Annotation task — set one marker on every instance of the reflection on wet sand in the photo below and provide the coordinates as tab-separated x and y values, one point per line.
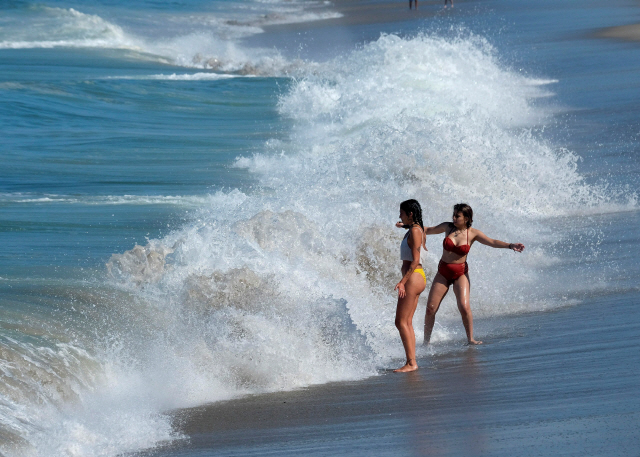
461	391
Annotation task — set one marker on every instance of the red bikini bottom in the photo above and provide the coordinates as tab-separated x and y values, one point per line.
452	271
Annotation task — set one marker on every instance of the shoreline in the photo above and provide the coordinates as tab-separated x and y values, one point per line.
629	33
356	12
535	388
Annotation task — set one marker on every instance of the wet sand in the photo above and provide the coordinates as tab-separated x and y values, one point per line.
357	12
361	21
629	32
559	383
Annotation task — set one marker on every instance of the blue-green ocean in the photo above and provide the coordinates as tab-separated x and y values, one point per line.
198	198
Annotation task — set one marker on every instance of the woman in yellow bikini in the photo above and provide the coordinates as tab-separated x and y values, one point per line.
413	280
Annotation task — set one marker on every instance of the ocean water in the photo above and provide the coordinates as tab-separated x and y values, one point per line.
199	203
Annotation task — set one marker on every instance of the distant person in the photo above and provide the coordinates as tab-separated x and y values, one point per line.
453	269
411	1
413	280
445	3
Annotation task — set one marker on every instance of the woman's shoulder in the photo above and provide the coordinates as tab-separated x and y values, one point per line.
474	233
416	231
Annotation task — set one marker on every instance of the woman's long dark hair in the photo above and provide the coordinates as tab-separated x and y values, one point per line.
413	207
466	212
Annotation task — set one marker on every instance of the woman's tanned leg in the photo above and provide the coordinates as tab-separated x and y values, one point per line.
439	289
462	288
404	319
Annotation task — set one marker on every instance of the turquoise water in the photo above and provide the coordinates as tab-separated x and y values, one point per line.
77	145
191	198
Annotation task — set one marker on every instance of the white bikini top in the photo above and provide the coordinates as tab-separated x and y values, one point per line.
405	250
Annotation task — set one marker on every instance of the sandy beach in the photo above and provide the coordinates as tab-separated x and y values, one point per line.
356	12
630	32
539	386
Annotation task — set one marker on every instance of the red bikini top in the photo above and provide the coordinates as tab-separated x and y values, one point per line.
448	245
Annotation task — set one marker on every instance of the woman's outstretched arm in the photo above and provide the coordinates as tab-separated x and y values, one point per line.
440	228
484	239
429	230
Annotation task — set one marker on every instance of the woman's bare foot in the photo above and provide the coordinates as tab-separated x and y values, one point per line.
474	342
411	365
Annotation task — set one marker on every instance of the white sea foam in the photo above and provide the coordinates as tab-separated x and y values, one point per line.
204	50
50	405
184	77
177	200
207	41
293	285
541	82
55	27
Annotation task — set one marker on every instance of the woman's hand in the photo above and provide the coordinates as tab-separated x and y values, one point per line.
400	288
399	224
517	247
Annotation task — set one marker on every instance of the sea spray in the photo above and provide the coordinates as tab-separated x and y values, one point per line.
292	284
439	120
62	396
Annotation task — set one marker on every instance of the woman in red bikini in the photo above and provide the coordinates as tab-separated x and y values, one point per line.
453	268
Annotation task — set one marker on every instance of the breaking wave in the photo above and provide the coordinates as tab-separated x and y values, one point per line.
292	285
208	41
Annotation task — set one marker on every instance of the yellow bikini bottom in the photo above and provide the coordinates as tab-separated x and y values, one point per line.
421	271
